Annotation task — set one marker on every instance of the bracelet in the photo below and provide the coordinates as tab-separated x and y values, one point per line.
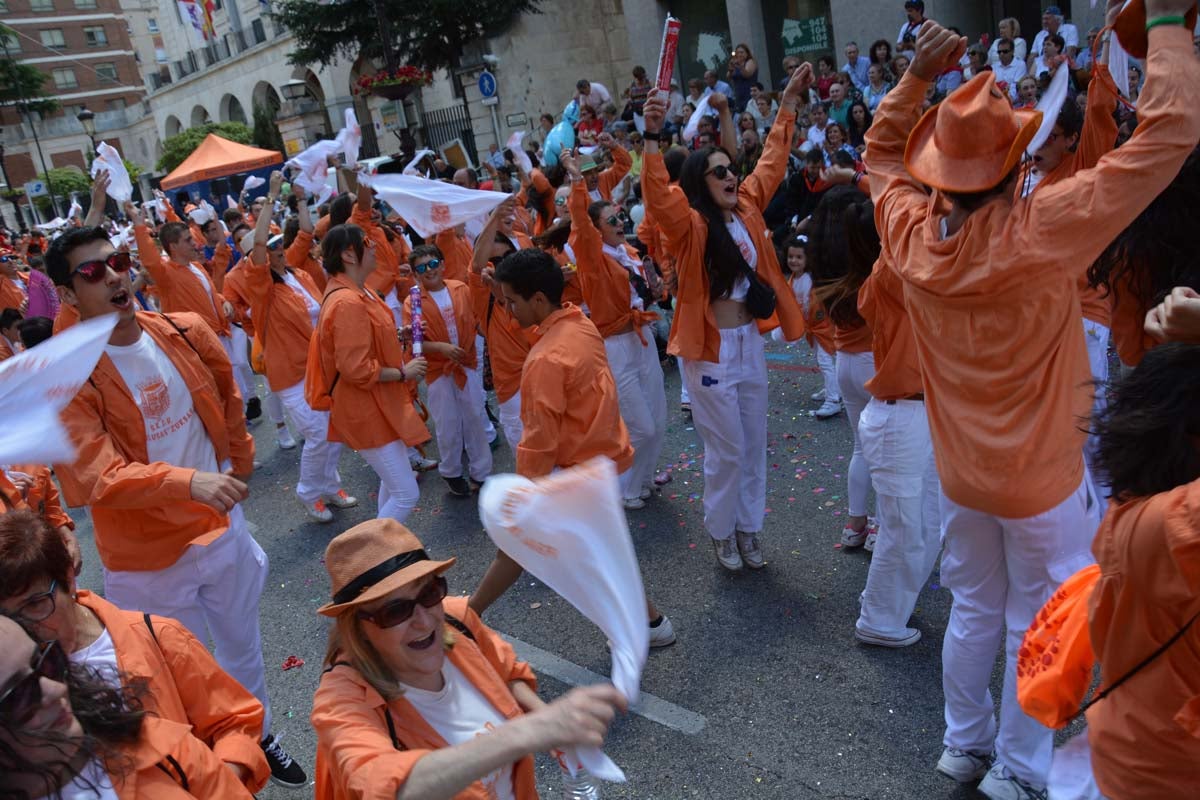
1171	20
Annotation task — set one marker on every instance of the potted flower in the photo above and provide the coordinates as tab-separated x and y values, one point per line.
395	85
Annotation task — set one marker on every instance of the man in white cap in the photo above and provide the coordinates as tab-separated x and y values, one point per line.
995	317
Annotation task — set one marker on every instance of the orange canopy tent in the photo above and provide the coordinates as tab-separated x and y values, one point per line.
219	158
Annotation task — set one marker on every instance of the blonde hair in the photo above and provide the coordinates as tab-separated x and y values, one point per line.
349	645
1014	24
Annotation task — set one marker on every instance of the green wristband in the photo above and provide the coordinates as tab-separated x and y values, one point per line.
1174	20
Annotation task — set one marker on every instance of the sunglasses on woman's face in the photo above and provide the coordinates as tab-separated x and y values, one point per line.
431	264
720	172
398	612
614	220
96	271
23	699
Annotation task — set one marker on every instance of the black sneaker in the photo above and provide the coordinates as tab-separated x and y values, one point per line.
475	485
459	486
284	771
253	408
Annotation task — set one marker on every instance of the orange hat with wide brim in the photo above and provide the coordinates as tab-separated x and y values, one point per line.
1130	28
971	140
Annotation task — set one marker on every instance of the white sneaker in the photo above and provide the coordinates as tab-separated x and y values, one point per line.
911	636
727	553
422	464
318	511
284	437
749	549
963	766
818	396
647	493
1000	784
828	409
662	634
634	503
853	538
341	500
869	544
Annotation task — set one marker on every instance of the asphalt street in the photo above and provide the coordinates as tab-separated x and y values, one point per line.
765	695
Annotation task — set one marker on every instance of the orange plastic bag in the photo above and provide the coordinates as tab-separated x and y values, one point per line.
1054	664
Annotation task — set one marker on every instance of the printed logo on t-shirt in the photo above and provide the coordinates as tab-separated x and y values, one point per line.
745	247
154	398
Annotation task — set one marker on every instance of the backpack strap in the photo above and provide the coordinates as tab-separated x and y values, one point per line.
179	776
1141	665
459	626
150	627
181	332
336	373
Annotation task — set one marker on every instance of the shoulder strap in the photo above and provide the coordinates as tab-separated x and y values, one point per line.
336	374
459	626
150	627
387	714
181	332
179	776
1142	665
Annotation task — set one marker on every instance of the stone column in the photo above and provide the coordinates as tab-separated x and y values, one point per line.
746	25
644	23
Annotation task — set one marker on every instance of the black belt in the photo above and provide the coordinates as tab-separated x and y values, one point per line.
918	397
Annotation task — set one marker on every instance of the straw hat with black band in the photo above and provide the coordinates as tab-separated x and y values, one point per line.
373	559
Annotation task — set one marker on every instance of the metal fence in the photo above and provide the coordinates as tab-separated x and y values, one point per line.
447	124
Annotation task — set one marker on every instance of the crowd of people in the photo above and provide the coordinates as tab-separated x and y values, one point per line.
959	262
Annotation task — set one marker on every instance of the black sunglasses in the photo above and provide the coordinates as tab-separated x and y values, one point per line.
96	271
720	172
23	699
398	612
614	220
1004	52
432	263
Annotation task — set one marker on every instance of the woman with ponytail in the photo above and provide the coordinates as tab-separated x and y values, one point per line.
730	291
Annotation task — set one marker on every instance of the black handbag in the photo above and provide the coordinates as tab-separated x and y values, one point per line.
760	298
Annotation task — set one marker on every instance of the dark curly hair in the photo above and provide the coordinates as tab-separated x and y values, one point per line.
1150	429
723	259
843	245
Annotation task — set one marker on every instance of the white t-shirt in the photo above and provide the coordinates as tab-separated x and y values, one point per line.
202	276
816	136
19	281
92	783
459	713
737	229
174	432
802	289
446	306
310	303
1068	31
631	265
101	656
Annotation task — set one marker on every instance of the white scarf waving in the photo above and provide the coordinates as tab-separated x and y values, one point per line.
431	207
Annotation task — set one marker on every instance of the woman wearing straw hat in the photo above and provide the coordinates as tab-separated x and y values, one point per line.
995	315
419	698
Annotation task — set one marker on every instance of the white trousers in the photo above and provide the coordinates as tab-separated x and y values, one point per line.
213	590
829	374
319	458
458	419
510	420
853	372
398	492
1000	572
639	377
729	408
1096	336
896	445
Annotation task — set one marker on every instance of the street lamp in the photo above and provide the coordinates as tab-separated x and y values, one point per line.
87	119
294	90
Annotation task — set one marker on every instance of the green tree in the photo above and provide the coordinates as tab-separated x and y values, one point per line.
429	33
64	180
178	147
22	84
266	134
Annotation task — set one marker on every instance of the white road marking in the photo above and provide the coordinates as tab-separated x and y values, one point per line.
653	708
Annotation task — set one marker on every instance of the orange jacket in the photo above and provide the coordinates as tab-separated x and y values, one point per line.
299	256
881	303
67	316
6	348
457	252
284	326
1145	735
1099	136
1129	324
218	265
464	324
357	758
507	342
622	163
604	282
355	339
143	513
994	308
42	498
178	287
852	340
387	258
11	295
239	297
694	333
572	288
545	212
569	399
185	684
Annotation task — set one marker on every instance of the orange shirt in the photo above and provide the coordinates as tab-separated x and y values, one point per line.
186	685
238	296
180	289
573	288
694	332
881	303
284	326
604	282
355	339
852	340
41	498
457	252
1099	136
67	316
143	513
1129	324
299	256
545	212
387	262
218	265
1145	735
356	755
507	343
994	308
622	163
6	348
437	331
11	295
569	399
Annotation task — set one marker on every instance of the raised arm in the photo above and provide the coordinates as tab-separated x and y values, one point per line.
670	208
622	163
262	225
729	134
95	213
148	252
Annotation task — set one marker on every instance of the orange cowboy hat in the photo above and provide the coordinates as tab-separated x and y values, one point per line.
373	559
971	140
1130	28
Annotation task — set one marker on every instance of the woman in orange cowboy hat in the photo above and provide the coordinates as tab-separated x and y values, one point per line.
419	698
995	316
